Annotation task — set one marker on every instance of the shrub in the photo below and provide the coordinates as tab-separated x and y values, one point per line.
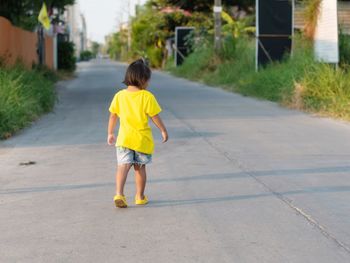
154	55
66	58
24	95
85	55
327	90
197	63
48	73
344	49
297	81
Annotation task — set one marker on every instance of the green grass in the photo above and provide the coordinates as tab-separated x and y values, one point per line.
24	96
327	91
297	82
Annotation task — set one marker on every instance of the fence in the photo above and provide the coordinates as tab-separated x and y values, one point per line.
18	44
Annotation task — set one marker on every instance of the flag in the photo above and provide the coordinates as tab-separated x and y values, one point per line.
44	18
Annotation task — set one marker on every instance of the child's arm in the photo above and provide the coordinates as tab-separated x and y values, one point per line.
159	123
113	118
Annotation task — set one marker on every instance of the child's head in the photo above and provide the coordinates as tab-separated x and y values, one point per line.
138	74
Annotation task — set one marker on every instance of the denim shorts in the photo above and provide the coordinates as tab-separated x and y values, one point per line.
128	156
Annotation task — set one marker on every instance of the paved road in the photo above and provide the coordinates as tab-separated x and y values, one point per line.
240	180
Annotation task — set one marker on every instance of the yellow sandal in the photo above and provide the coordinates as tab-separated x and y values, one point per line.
141	201
120	201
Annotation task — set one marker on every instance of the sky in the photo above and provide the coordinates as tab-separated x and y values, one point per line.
104	16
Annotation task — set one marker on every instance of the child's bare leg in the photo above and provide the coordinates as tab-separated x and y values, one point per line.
120	177
140	180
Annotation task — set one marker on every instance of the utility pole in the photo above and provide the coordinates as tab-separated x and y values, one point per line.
129	27
217	18
41	45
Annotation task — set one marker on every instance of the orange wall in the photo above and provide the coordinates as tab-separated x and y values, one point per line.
18	44
49	52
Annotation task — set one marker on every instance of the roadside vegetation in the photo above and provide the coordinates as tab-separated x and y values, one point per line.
298	81
24	96
154	24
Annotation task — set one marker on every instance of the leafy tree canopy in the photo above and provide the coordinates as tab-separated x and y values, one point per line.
24	13
95	48
201	5
155	23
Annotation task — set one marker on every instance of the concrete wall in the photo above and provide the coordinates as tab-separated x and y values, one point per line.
18	44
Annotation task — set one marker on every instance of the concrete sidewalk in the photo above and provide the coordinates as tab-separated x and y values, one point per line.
240	180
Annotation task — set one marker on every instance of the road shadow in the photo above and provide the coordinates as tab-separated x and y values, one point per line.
207	177
242	174
154	203
54	188
195	201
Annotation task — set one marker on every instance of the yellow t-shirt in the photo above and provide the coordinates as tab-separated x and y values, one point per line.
133	109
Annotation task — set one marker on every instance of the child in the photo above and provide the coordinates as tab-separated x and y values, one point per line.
134	145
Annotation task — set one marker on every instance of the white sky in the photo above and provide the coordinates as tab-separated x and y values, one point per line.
103	16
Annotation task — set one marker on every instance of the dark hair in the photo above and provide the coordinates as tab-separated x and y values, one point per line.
137	74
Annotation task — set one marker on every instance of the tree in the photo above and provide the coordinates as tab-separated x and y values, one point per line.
156	21
153	26
202	5
95	48
117	45
237	28
24	13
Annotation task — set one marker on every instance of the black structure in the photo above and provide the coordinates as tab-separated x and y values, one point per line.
182	45
274	29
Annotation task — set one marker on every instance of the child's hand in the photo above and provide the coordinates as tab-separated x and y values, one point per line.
111	139
165	136
159	123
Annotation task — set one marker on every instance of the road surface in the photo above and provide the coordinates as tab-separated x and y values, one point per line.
240	180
